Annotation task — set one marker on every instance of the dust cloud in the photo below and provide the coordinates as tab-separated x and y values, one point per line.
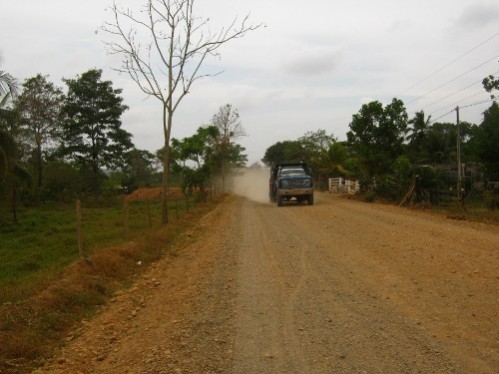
252	183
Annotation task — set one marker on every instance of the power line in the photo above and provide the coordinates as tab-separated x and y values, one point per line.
474	104
442	116
474	95
454	79
452	94
447	65
462	107
456	92
457	103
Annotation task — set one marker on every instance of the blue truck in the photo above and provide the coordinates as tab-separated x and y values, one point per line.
290	181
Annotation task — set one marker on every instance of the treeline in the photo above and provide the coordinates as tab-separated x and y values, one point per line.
67	143
385	150
58	144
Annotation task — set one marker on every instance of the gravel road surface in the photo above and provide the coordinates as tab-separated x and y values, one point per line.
337	287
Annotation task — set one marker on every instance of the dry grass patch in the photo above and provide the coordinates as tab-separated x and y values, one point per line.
31	329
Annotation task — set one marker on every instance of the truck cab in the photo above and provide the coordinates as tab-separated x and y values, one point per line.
290	182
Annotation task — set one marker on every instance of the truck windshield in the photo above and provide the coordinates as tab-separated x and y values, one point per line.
289	171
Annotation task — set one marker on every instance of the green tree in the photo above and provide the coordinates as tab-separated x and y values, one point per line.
440	143
418	132
62	181
233	158
7	153
139	169
316	145
329	163
336	160
91	132
376	136
197	148
285	151
167	66
12	175
490	84
486	141
200	157
193	158
316	142
39	113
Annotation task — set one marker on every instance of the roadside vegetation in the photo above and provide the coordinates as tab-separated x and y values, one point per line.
44	240
57	148
46	288
408	161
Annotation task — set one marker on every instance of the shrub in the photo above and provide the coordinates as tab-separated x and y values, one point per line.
369	196
491	199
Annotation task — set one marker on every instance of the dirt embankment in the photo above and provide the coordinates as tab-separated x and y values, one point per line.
153	193
338	287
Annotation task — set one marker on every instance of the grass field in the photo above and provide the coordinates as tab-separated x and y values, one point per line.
45	290
44	240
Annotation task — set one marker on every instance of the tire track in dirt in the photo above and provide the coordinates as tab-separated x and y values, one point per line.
338	287
264	341
401	259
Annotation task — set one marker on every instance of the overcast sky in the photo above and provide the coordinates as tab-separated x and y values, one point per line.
312	66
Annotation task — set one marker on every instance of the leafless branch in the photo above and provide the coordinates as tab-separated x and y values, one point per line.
163	50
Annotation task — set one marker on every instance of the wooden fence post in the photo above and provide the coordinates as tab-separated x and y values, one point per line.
149	215
78	228
125	218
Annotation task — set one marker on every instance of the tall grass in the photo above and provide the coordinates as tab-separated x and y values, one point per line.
58	295
44	240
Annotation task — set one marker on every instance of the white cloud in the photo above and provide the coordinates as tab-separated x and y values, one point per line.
313	61
479	15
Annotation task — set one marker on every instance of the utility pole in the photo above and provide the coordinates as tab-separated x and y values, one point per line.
459	168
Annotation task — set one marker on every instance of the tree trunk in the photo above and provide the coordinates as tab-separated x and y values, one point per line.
166	174
39	163
223	173
95	182
167	125
14	203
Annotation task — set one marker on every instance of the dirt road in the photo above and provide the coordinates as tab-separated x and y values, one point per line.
338	287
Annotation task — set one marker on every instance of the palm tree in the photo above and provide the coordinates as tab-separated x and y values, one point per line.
337	156
8	86
12	175
331	162
7	153
8	91
419	132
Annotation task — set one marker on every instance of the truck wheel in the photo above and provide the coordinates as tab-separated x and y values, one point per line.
311	199
279	200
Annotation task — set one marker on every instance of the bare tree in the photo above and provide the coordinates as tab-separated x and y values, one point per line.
229	129
163	49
